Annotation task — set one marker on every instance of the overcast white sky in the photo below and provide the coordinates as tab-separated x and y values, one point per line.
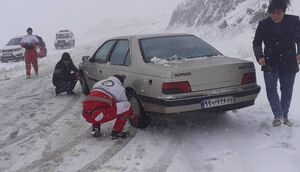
51	15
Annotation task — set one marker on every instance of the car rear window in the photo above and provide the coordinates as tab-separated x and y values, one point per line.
62	35
175	48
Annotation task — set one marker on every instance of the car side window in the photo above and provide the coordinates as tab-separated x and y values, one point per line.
119	53
102	53
128	59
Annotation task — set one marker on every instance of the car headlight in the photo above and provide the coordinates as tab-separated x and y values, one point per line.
18	49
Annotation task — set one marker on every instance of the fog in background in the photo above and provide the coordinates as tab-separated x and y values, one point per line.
46	17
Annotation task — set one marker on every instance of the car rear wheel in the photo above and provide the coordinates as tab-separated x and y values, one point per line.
140	120
84	85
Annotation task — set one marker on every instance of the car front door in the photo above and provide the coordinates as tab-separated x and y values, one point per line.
95	68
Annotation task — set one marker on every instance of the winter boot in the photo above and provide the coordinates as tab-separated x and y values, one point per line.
96	132
276	122
287	122
116	135
57	91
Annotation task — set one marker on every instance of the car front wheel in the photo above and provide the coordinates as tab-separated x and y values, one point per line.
140	120
84	85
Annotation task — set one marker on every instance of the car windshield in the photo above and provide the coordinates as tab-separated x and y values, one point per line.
14	41
175	48
62	35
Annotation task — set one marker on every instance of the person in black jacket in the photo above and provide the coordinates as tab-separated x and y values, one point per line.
65	75
280	34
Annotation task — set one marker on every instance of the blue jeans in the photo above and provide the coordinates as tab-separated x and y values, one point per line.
280	106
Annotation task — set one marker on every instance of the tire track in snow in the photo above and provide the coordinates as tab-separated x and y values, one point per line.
174	129
54	155
166	159
41	125
22	82
58	154
109	153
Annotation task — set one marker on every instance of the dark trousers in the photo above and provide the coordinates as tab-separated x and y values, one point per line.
279	105
66	85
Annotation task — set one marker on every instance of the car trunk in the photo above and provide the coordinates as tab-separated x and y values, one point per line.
212	72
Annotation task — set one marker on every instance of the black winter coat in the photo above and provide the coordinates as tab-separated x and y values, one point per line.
63	72
280	41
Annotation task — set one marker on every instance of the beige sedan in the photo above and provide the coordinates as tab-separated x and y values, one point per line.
172	73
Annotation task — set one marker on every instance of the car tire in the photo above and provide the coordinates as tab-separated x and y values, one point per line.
142	121
84	85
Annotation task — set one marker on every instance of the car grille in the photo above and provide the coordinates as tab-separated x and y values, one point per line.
8	51
61	41
8	57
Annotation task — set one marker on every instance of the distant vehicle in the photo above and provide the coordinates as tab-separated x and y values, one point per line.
41	48
12	51
64	39
172	73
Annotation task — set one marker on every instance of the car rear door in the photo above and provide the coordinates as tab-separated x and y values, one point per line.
119	59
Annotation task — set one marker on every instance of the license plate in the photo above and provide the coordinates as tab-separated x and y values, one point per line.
217	102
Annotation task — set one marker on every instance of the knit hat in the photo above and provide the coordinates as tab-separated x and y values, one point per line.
66	57
29	30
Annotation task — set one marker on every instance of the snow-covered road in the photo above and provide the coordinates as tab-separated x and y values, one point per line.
43	132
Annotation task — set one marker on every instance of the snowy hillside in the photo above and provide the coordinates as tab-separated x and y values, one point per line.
226	17
232	12
43	132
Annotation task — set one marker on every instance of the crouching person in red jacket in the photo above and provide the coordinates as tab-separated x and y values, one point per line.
108	101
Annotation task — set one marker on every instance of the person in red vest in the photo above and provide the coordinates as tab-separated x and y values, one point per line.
29	42
108	101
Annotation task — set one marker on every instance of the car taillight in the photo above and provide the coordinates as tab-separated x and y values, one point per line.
248	78
176	87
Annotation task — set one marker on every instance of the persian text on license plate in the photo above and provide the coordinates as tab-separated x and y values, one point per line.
217	102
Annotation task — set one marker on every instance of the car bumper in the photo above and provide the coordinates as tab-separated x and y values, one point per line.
11	57
242	98
62	45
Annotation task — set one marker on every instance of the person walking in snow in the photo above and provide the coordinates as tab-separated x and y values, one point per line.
29	42
108	101
280	34
65	75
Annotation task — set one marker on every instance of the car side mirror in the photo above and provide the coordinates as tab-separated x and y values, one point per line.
86	58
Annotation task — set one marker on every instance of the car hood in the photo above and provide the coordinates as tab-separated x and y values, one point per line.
8	47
